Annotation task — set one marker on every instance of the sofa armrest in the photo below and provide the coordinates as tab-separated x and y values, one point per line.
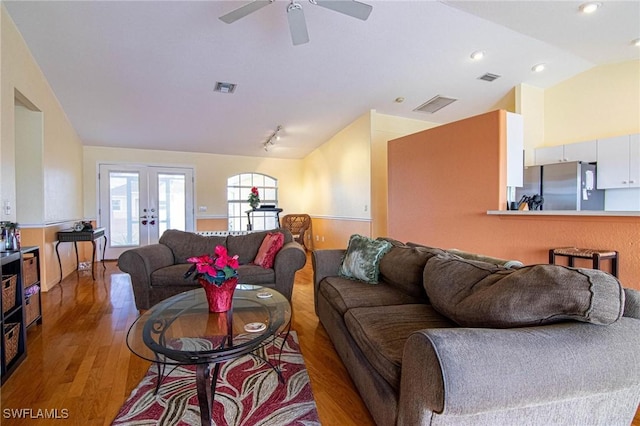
461	371
631	303
289	259
326	263
139	263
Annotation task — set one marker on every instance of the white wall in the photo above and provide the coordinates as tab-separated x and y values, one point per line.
337	175
61	185
29	165
211	173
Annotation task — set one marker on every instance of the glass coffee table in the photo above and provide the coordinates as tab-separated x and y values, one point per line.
181	331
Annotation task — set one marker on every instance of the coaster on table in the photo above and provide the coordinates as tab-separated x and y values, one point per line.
254	327
264	295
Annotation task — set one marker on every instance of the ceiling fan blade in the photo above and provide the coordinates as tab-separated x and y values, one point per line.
297	24
352	8
245	10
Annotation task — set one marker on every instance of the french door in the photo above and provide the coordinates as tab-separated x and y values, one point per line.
138	203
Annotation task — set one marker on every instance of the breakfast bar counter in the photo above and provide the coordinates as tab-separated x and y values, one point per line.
529	213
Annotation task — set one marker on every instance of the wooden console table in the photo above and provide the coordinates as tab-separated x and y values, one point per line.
276	210
71	236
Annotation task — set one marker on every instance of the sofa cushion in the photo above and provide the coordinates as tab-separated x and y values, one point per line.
381	332
479	294
345	293
254	274
508	264
271	244
402	267
172	276
362	259
187	244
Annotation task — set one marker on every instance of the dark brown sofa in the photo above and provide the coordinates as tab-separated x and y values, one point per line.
157	271
412	365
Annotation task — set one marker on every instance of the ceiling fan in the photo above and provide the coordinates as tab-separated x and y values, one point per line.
295	14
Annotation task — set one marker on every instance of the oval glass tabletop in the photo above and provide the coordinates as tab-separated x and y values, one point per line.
181	330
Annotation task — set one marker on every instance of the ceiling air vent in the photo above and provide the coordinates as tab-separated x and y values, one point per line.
435	104
224	87
488	77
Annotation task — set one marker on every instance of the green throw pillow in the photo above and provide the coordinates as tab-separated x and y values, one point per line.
362	259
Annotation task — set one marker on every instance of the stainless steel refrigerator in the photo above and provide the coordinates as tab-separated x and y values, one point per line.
532	182
571	186
564	186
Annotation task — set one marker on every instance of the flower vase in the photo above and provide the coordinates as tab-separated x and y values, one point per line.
220	298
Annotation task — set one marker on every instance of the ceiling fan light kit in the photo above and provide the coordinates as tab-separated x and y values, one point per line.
295	14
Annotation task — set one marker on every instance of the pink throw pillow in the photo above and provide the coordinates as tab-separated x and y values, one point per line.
270	246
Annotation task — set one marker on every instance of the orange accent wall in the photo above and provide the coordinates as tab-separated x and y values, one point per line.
443	180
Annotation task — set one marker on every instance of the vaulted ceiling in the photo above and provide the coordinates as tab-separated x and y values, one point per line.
141	74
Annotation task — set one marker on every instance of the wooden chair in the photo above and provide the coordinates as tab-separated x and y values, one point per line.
300	226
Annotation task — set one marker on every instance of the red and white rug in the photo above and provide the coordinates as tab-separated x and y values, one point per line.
248	393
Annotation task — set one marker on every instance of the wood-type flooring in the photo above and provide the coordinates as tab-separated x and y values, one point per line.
79	369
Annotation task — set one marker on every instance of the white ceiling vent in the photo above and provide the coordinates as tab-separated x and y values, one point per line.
435	104
489	77
224	87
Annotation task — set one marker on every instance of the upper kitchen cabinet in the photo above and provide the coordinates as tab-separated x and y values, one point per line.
581	151
619	162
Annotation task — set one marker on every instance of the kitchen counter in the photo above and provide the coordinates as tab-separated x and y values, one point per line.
601	213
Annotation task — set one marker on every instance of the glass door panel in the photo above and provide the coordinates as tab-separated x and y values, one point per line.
139	203
124	196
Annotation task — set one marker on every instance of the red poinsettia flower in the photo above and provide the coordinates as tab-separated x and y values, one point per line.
216	268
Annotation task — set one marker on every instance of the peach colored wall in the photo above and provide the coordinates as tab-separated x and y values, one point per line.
46	238
336	232
212	224
456	170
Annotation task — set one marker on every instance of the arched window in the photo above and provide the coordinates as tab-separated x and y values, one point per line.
238	189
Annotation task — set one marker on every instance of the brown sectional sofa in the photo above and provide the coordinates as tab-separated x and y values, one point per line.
412	365
157	271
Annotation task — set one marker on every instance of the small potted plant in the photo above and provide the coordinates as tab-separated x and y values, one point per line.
254	198
218	275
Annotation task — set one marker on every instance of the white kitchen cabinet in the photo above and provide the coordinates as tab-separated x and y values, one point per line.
619	162
586	151
581	151
515	149
549	155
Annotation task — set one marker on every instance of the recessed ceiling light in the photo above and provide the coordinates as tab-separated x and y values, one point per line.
477	55
399	99
538	68
636	42
589	7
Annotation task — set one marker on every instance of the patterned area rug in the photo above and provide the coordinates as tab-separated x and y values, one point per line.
248	393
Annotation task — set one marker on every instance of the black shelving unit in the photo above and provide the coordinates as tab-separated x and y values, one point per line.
11	264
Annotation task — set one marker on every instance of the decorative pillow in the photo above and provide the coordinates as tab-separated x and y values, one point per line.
271	245
479	294
362	259
402	267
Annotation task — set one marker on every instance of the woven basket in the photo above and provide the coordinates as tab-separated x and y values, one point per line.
11	336
32	307
8	292
29	270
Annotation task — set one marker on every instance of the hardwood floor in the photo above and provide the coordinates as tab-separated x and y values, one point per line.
78	362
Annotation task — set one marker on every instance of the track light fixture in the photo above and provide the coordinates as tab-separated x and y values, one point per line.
271	140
